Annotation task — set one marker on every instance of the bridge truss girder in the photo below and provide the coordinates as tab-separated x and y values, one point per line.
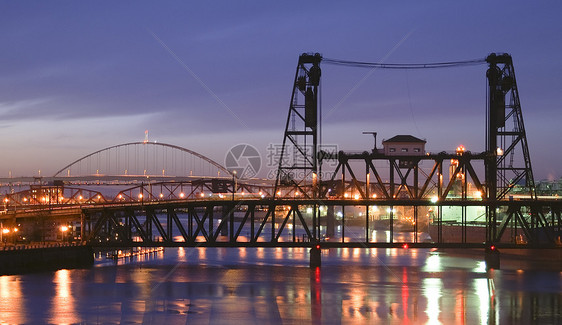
406	180
266	224
40	196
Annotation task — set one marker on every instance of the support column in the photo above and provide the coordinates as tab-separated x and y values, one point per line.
492	257
82	226
330	221
224	220
315	256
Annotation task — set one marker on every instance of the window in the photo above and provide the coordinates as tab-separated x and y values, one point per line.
391	149
404	150
417	150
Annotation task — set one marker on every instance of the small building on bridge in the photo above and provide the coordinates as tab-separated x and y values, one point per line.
404	145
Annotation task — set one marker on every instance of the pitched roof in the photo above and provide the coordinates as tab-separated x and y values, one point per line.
404	138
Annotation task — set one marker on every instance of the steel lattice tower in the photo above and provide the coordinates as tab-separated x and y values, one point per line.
509	160
298	163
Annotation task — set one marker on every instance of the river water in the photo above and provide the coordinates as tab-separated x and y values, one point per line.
276	286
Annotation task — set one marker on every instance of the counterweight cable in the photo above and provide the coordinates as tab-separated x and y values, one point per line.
436	65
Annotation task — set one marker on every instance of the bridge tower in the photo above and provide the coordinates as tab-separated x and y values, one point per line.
508	161
298	161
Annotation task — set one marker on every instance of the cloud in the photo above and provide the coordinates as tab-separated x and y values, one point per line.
22	109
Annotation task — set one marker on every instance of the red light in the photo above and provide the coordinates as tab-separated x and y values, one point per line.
492	247
317	246
405	246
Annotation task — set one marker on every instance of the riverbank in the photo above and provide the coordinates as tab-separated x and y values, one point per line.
35	258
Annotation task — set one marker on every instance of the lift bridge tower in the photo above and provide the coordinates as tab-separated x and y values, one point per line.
298	161
509	161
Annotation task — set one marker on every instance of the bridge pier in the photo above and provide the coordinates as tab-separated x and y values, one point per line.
315	256
492	257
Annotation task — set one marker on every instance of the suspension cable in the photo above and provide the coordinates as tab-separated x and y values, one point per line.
359	64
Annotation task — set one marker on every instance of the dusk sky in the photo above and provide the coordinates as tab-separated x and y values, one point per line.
76	77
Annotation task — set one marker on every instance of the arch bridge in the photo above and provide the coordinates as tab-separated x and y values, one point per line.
136	161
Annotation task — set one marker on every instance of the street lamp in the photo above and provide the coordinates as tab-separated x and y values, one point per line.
5	232
63	229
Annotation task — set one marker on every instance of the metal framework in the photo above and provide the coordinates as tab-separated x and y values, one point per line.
298	161
39	196
506	138
278	222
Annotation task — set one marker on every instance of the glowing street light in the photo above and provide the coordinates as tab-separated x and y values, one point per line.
64	229
5	231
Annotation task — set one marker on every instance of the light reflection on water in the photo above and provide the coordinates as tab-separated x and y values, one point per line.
11	301
63	305
274	285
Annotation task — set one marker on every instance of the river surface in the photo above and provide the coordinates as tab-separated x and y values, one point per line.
276	286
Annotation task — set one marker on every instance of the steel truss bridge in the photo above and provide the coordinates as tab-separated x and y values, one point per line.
359	203
291	223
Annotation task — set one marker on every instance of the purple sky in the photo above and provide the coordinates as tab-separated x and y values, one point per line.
76	77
